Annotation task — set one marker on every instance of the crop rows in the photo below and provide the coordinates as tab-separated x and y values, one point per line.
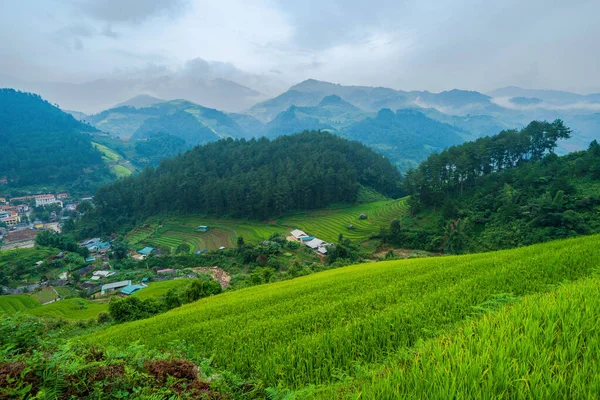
72	309
545	347
12	304
311	329
329	224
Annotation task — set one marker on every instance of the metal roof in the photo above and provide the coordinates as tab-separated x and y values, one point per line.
130	289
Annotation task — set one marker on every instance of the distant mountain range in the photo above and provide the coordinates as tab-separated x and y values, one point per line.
98	95
405	126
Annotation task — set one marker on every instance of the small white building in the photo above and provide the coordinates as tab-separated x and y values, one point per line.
316	243
298	234
111	287
103	274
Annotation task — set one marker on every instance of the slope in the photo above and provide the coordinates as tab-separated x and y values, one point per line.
405	137
44	145
314	329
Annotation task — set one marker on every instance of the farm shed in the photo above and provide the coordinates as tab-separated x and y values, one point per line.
146	250
131	289
111	287
203	228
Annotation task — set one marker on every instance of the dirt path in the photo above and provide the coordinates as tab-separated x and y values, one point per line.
217	273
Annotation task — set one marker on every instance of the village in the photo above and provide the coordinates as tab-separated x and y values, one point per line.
22	218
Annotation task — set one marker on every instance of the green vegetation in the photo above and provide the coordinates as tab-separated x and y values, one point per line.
545	347
70	309
120	171
314	329
157	289
12	304
46	145
326	224
500	192
250	179
19	265
45	295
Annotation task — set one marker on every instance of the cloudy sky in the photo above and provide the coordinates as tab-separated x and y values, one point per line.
411	44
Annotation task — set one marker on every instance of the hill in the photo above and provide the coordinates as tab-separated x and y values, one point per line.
311	330
142	100
45	146
405	137
251	179
181	118
503	191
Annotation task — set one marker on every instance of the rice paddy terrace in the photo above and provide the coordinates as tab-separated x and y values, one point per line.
326	224
401	329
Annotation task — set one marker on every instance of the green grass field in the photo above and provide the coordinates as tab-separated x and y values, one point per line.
12	304
342	323
545	347
326	224
71	309
120	171
157	289
108	155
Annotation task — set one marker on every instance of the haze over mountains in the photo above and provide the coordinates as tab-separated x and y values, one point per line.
406	126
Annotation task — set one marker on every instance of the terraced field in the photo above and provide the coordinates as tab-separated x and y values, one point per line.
325	224
72	309
328	224
12	304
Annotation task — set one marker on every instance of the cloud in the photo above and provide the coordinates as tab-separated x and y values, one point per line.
132	11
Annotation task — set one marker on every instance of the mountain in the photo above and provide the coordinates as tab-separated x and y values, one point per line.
550	96
94	96
251	179
189	121
45	146
142	100
406	137
332	113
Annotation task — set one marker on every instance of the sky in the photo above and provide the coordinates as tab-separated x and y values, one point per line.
271	44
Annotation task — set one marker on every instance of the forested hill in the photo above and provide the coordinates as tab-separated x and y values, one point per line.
250	178
503	191
42	145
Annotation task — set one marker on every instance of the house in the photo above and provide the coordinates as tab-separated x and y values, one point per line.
316	243
62	195
298	234
43	200
11	221
203	228
111	287
103	274
60	282
146	251
131	289
322	250
3	200
90	259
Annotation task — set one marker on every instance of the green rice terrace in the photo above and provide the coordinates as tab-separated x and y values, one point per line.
12	304
399	329
326	224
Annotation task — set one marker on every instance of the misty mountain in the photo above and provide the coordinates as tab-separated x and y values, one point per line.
372	99
332	113
189	121
101	94
142	100
406	137
550	96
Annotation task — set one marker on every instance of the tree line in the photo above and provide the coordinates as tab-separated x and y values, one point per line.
256	178
449	172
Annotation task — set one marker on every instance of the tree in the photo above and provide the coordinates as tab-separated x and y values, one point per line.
183	248
120	248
